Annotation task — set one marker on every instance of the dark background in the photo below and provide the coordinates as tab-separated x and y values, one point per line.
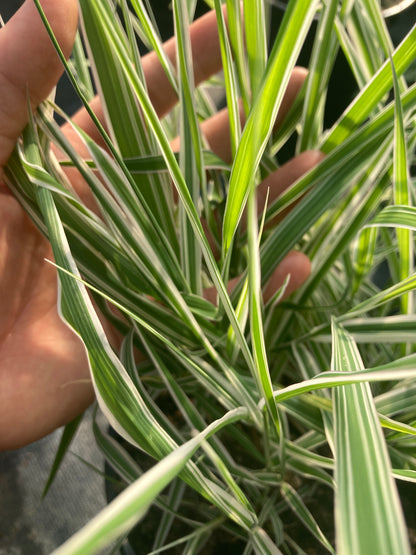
30	525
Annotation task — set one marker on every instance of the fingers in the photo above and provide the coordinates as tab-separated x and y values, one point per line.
29	63
216	129
206	55
280	180
297	266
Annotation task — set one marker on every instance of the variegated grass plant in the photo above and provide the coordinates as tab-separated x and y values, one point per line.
260	408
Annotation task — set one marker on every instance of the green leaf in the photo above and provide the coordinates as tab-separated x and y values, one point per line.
190	154
259	125
66	439
395	216
296	503
323	56
262	372
406	475
124	118
368	515
256	42
366	101
132	504
402	193
156	163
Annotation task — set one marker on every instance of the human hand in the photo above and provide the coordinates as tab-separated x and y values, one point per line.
44	372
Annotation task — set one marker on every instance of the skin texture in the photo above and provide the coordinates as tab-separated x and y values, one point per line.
43	366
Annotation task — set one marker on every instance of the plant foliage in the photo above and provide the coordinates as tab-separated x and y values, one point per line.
277	427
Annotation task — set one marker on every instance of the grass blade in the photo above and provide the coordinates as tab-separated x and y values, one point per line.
402	193
373	92
67	436
302	512
131	505
263	113
368	515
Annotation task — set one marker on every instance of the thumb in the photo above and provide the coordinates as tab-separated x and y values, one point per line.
29	64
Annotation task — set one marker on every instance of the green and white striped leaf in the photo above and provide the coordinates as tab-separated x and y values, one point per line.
368	515
131	505
298	17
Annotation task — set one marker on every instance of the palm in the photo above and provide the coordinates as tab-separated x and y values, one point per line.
43	368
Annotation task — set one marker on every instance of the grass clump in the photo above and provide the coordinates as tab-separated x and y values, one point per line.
267	418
